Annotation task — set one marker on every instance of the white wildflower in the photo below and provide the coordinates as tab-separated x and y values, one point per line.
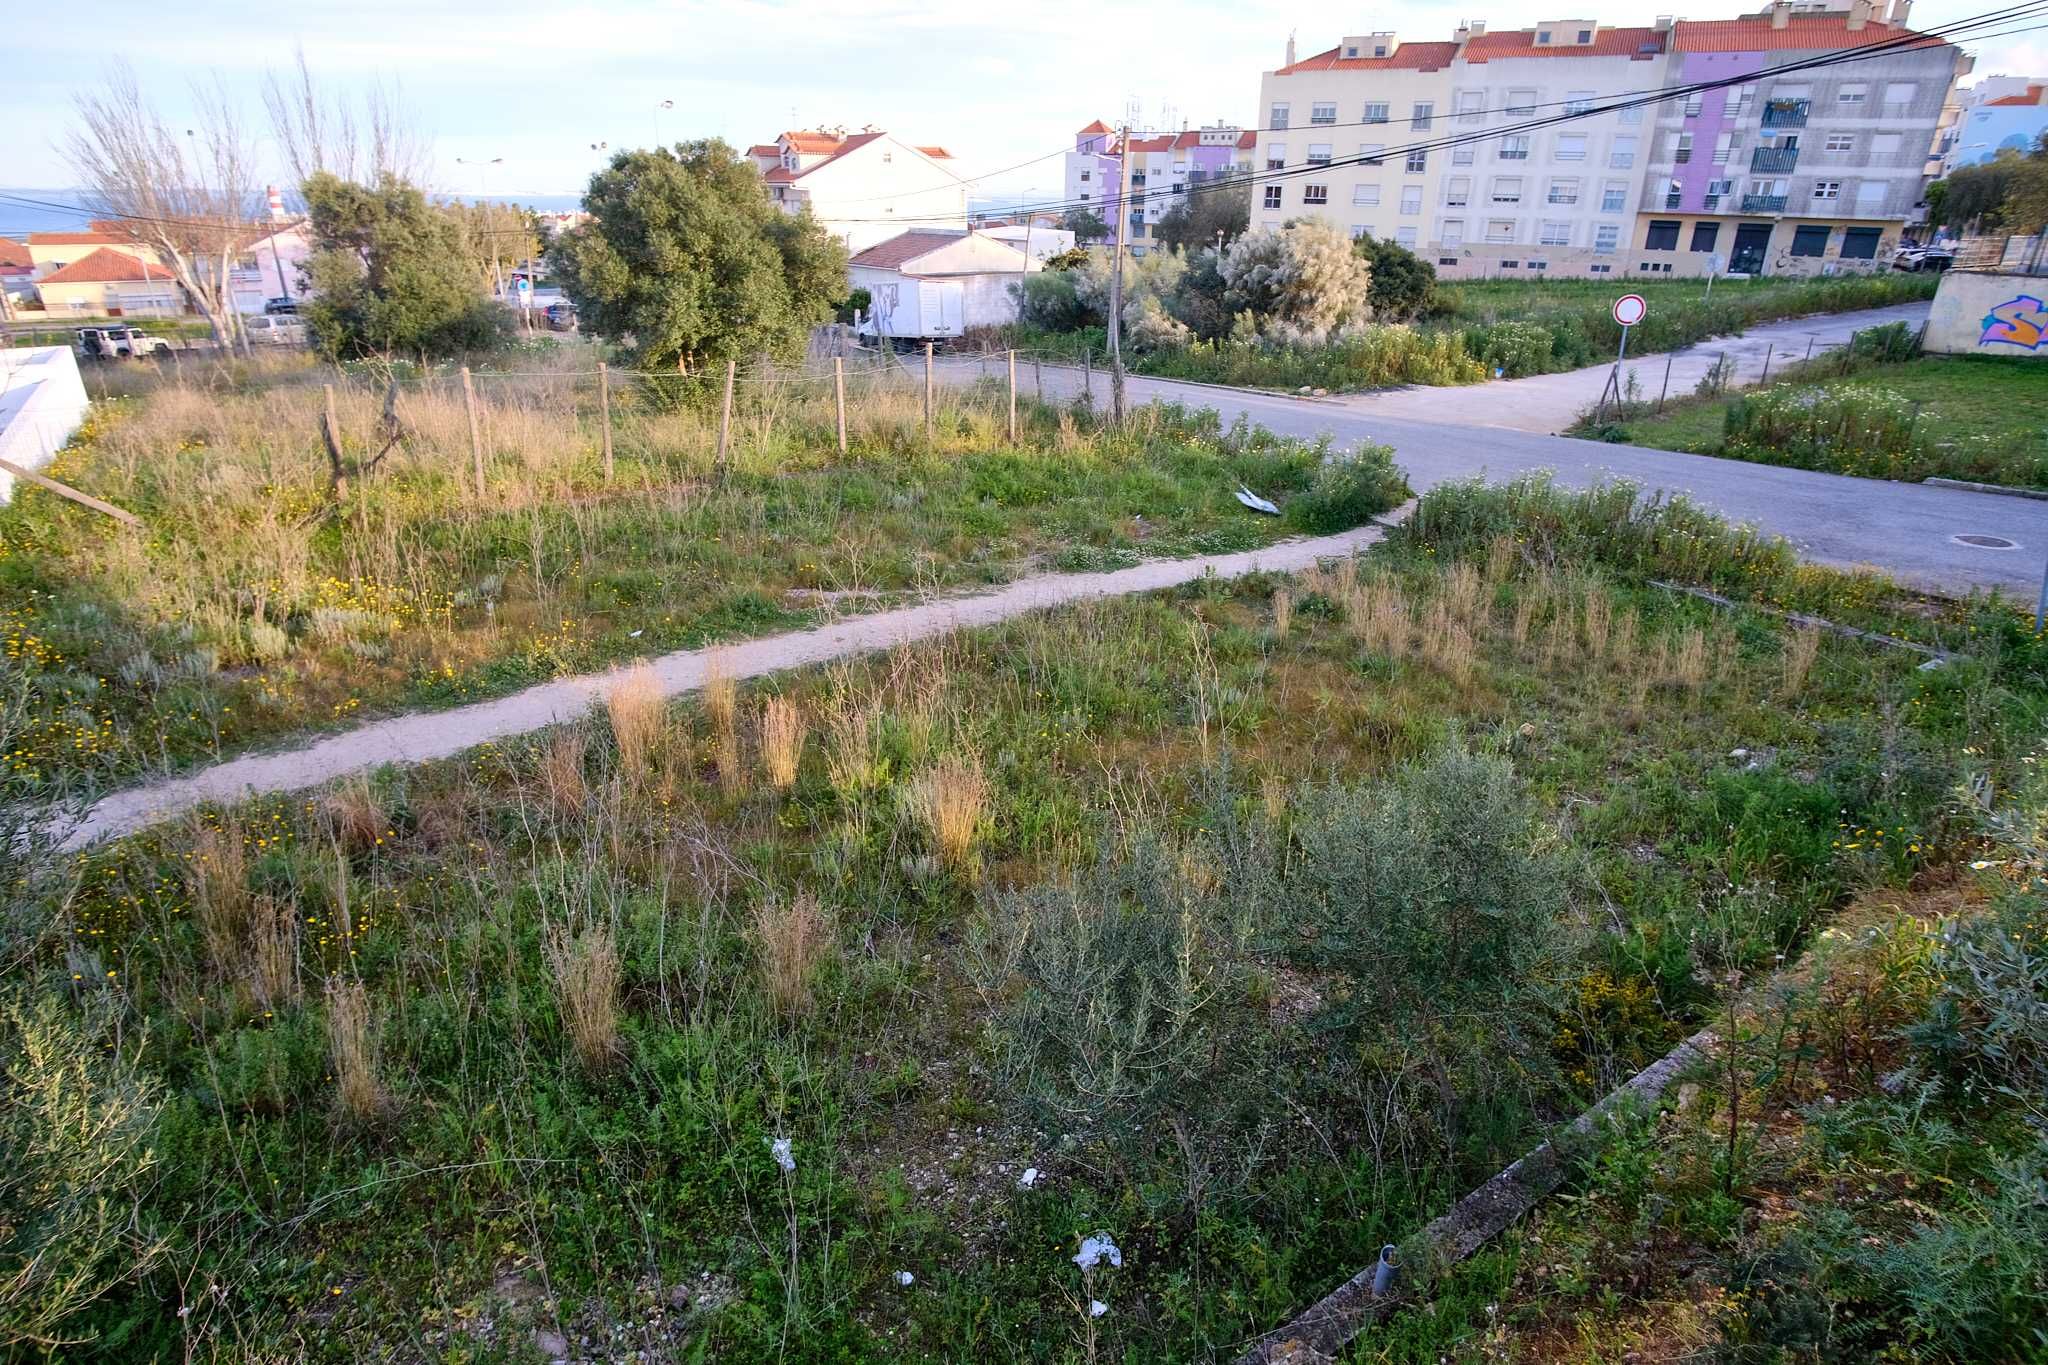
784	1155
1097	1249
905	1278
1096	1308
1028	1179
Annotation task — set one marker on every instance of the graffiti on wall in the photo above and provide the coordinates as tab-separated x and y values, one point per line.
2019	321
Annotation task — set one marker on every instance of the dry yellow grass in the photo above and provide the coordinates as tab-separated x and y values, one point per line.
352	1051
1599	616
791	939
1283	613
1461	593
1500	560
721	708
1448	645
354	817
634	704
784	728
217	878
949	799
561	771
1688	667
1622	638
273	953
586	972
850	752
1802	647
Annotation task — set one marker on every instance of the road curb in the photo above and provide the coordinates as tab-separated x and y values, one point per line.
2002	490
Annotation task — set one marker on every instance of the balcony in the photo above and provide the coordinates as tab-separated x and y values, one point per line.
1786	113
1773	160
1673	201
1763	203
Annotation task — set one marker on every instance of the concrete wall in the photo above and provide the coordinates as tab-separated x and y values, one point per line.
42	401
1987	314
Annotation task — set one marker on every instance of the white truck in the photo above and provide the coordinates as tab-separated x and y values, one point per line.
114	343
914	310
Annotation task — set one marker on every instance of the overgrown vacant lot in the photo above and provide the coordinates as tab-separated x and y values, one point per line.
836	1018
258	602
1981	418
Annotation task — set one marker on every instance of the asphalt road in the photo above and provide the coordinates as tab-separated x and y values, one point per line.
1906	530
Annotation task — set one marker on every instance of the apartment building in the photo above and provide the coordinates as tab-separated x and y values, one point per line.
1804	172
1579	196
863	187
1172	162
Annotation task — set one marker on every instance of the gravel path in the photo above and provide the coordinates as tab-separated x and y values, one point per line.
420	736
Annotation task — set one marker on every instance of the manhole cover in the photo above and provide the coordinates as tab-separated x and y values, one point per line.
1986	542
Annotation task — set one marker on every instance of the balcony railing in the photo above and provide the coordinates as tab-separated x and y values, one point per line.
1763	203
1773	160
1786	113
1672	201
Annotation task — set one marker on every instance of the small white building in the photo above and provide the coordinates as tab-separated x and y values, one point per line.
930	283
1040	242
864	187
42	401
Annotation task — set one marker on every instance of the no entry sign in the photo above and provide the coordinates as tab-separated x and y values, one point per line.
1629	309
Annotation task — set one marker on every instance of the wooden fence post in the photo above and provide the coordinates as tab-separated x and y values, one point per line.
476	437
1013	398
725	415
1765	378
1038	378
839	397
330	432
604	405
1667	380
65	490
928	392
1088	372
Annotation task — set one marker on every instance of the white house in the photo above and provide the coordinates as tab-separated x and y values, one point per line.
1042	242
864	187
982	269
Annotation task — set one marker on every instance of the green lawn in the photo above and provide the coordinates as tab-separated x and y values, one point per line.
1978	417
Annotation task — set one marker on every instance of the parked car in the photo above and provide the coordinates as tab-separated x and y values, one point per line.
283	329
561	316
280	305
1917	258
112	343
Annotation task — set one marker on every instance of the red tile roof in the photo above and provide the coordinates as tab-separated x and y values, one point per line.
1096	127
1407	57
904	248
13	253
1607	42
78	239
1247	139
106	266
764	149
778	175
2032	97
937	153
1164	142
1802	32
811	143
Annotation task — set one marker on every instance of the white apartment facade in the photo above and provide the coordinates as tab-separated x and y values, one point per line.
863	187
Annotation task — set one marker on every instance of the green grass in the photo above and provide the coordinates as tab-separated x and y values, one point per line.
252	606
1964	417
1183	755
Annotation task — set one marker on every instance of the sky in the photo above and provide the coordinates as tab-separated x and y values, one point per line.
1003	86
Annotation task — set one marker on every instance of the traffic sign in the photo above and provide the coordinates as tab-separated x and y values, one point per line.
1629	309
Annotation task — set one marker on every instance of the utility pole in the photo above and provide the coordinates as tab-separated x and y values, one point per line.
490	217
1116	281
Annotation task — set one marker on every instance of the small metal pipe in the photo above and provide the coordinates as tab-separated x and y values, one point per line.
1383	1273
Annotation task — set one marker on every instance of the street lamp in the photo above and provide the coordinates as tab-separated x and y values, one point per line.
483	171
665	104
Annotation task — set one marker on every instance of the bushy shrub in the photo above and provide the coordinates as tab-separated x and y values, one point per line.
1349	490
1514	349
1847	428
1403	284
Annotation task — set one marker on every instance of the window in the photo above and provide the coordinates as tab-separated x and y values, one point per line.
1318	153
1606	236
1461	155
1084	177
1852	96
1555	234
1623	154
1315	194
1827	189
1662	235
1411	199
1717	190
1692	105
1418	162
1884	149
1543	38
1423	117
1371	152
1515	148
1451	232
1458	191
1367	195
1599	269
1571	147
1272	196
1277	117
1632	114
1681	150
1898	93
1859	244
1613	197
1744	97
1578	102
1723	146
1276	156
1521	102
1357	231
1840	142
1585	35
1471	106
1704	236
1500	229
1510	265
1811	240
1871	193
1405	236
1084	195
1322	113
1375	113
1507	189
1563	193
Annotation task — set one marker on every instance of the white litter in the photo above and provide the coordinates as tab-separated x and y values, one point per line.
1255	502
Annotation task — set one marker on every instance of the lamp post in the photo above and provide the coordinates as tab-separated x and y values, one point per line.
483	171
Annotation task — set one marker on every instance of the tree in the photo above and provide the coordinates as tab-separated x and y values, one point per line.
1403	284
1301	283
186	197
1086	225
390	274
1206	212
497	238
685	259
317	132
